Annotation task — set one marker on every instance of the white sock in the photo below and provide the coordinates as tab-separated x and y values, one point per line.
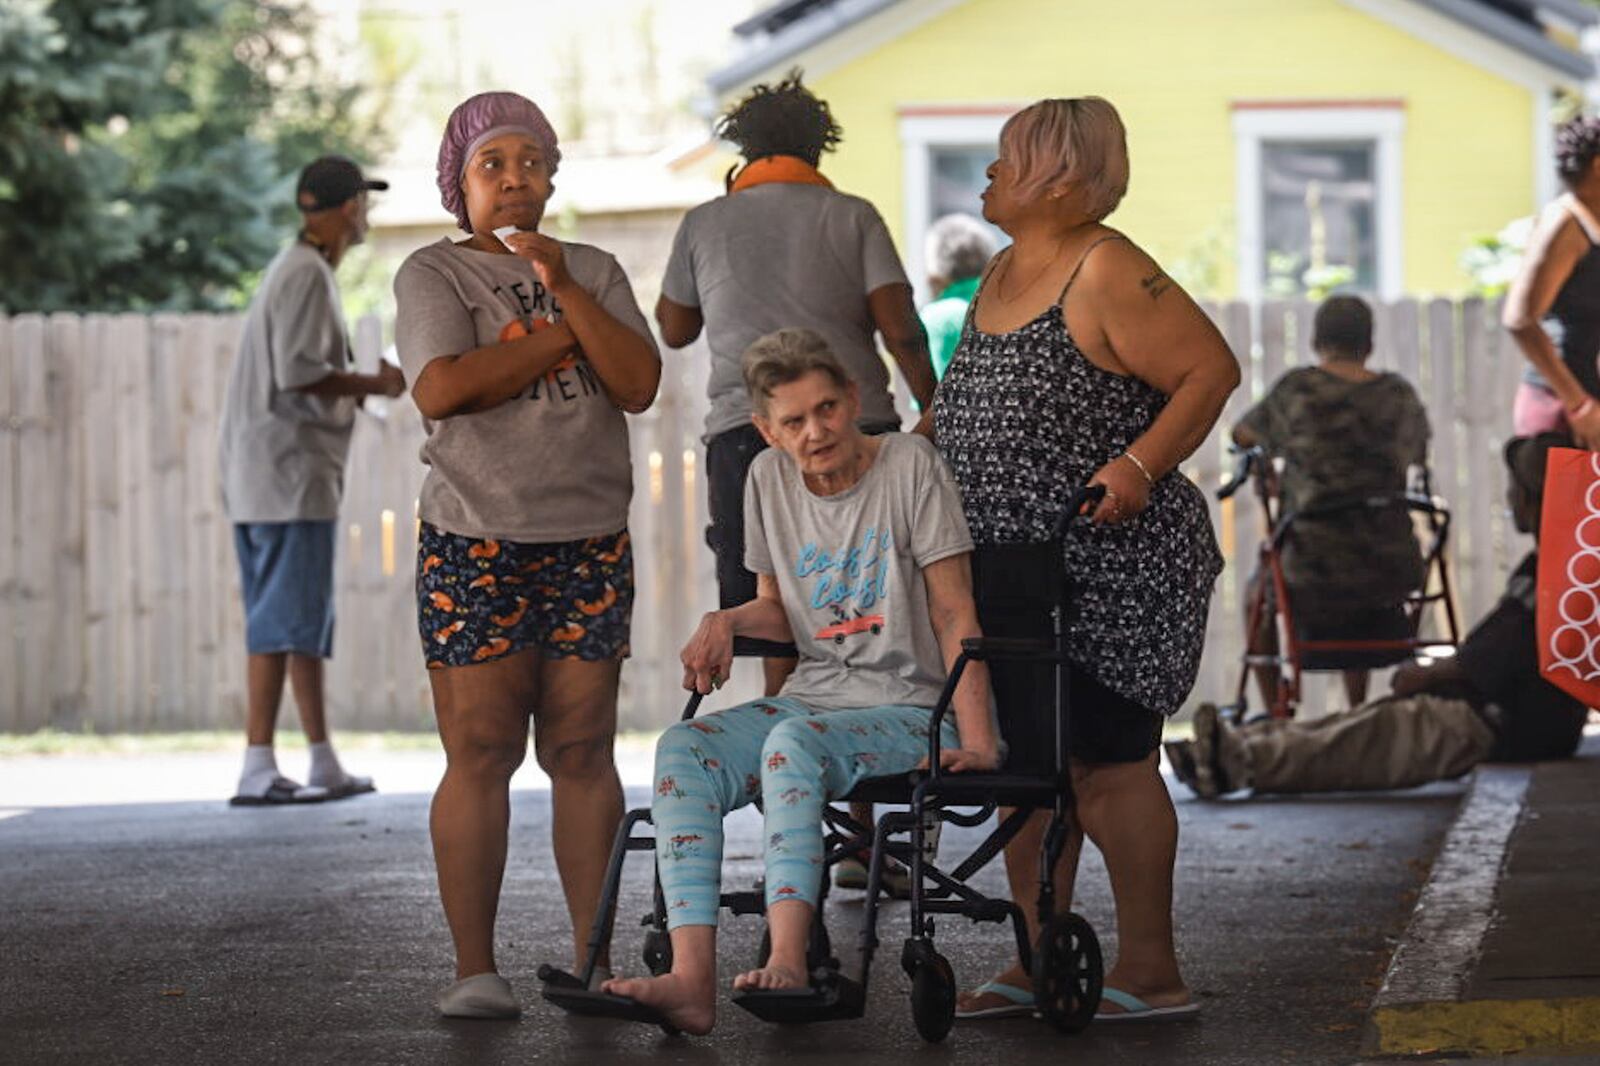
325	768
260	770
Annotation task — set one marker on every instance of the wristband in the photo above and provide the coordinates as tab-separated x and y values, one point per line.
1145	470
1582	409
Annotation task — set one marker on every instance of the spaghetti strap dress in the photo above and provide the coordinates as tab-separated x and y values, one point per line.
1023	418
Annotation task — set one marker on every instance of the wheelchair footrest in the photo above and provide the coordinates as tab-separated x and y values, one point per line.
831	997
568	993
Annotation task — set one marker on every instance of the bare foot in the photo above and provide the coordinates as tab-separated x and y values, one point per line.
1016	977
773	976
691	1005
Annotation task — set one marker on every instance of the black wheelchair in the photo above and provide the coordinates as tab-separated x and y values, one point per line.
1385	636
1022	589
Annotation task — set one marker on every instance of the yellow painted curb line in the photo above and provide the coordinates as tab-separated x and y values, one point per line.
1487	1026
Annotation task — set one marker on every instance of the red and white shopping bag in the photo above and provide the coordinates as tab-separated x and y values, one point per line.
1569	574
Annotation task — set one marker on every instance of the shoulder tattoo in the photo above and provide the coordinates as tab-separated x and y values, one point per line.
1156	284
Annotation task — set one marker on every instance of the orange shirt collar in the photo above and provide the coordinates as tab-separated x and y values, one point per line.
785	169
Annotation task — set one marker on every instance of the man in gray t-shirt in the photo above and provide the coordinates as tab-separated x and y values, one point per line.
783	249
285	431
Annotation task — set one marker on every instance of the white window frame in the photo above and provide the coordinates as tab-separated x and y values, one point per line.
1255	125
922	129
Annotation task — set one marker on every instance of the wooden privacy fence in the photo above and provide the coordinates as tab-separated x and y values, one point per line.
119	602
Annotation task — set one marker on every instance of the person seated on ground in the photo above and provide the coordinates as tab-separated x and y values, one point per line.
1487	702
1345	433
863	560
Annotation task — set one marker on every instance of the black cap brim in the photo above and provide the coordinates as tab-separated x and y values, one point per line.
376	185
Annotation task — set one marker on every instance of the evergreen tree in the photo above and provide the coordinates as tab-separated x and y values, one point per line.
148	150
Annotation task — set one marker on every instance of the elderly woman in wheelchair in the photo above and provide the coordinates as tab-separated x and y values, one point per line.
862	555
1341	561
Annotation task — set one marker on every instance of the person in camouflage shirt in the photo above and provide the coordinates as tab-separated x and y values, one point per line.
1344	432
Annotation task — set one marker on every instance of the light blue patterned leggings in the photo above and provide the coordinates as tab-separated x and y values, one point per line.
798	758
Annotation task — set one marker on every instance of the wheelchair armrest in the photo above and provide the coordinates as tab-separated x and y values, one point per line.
982	649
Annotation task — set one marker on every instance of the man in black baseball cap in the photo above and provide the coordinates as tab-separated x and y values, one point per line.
286	425
330	182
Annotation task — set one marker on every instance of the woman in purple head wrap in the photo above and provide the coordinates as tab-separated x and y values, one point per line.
524	351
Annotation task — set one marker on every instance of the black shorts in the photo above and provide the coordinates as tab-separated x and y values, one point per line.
1103	726
728	458
1108	727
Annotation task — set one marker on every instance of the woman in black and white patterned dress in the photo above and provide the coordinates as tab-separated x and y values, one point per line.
1081	361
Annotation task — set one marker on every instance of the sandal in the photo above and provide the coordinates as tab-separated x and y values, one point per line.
1135	1009
1018	1003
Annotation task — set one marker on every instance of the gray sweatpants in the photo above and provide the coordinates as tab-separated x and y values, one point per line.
1396	742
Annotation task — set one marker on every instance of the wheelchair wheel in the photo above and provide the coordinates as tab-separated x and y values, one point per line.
1068	973
819	949
933	997
657	952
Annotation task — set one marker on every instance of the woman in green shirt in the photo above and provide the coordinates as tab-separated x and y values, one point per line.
959	247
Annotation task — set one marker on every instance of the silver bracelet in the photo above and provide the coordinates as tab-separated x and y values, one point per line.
1145	470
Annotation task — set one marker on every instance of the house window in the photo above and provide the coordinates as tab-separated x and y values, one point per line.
946	152
1318	217
956	178
1318	198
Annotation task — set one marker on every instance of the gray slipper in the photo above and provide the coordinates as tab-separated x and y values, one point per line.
483	995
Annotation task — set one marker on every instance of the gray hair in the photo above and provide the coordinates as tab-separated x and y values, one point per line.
959	247
786	356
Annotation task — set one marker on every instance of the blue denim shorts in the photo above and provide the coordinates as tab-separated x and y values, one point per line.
286	569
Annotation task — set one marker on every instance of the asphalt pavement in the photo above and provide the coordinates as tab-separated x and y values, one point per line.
188	932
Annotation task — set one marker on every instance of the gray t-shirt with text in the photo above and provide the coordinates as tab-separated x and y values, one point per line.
550	465
777	256
282	452
849	567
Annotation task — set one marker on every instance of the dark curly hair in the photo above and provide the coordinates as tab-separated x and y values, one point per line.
782	119
1577	145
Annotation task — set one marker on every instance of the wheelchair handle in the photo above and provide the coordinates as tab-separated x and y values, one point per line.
1248	458
1081	497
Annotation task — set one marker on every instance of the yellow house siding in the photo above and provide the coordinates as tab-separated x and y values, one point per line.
1174	68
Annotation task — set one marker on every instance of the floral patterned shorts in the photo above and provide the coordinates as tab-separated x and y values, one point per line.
479	600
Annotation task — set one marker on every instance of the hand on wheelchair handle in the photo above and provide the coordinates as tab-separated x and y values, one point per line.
708	657
1127	492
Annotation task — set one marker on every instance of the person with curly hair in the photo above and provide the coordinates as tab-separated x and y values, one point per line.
784	249
1553	307
525	351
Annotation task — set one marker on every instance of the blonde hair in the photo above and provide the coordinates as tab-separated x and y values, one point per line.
1081	140
784	356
